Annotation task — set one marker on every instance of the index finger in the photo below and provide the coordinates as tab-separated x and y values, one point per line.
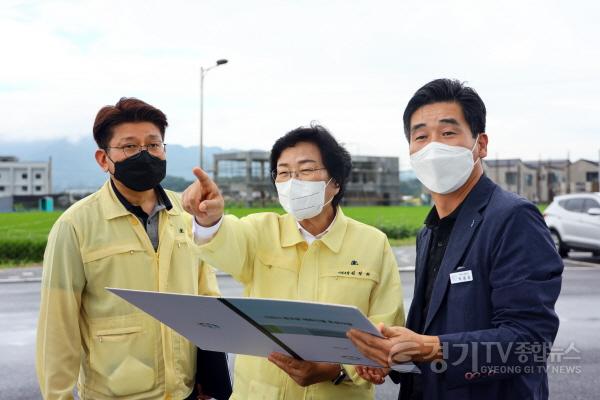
202	176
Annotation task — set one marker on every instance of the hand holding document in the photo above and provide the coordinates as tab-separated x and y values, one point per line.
303	330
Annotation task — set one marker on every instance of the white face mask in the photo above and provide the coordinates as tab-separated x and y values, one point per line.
443	168
302	199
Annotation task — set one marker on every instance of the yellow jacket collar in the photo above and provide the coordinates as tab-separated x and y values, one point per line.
112	207
290	234
335	237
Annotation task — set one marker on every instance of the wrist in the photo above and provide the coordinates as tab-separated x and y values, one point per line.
431	349
205	224
340	375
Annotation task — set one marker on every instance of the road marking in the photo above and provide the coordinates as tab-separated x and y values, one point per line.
19	279
582	268
581	263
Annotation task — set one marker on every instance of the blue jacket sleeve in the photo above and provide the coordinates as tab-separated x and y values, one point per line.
525	281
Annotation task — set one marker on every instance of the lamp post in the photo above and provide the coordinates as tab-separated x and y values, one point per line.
203	72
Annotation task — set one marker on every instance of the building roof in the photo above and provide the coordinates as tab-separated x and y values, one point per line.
587	161
560	163
502	163
557	163
256	155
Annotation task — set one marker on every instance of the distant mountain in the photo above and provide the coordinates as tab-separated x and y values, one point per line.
407	175
74	166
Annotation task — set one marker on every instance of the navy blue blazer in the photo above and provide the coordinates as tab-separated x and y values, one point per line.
496	328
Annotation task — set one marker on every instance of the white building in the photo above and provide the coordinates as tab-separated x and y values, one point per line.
25	178
584	176
540	181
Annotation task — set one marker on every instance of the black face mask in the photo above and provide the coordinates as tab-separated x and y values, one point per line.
141	172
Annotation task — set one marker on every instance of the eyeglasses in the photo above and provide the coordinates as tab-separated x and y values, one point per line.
302	174
130	150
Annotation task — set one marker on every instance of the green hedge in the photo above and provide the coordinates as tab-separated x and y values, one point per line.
399	231
17	251
31	250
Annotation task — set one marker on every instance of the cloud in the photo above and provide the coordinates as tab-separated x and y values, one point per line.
352	65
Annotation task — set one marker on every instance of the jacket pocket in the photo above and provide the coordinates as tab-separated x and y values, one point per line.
98	254
349	287
123	354
117	335
131	376
274	276
125	266
278	261
461	296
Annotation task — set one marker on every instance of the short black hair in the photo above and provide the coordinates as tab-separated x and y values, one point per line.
335	157
127	109
448	90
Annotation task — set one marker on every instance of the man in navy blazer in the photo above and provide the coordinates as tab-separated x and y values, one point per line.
482	320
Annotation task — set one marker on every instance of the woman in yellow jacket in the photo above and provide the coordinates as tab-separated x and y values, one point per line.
312	253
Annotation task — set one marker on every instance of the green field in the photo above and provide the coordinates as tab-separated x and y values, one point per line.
376	216
23	235
26	225
36	225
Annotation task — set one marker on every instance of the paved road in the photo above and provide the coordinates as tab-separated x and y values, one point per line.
578	308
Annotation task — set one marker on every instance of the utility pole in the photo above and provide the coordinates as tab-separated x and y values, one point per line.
568	172
203	72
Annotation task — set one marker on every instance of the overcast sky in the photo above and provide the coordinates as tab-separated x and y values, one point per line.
352	65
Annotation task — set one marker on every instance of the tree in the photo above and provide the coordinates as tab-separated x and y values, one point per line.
175	183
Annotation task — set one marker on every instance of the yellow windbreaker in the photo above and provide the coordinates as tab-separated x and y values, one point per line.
86	333
351	264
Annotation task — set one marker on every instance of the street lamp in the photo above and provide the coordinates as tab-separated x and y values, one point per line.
203	72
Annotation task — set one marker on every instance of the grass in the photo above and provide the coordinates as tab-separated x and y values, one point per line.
36	225
399	223
376	215
23	235
389	216
26	225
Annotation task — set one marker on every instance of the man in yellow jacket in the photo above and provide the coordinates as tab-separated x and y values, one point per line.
312	253
129	234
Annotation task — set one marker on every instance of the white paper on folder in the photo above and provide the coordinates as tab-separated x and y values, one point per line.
204	320
315	331
312	331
